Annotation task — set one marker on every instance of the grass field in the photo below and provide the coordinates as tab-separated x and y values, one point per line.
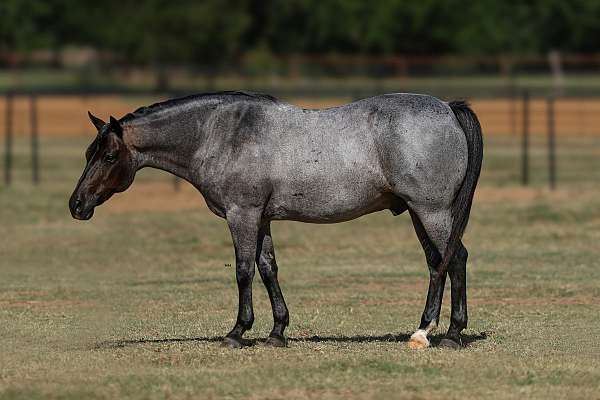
134	302
463	83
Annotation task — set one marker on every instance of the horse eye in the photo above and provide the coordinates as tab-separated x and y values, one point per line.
110	158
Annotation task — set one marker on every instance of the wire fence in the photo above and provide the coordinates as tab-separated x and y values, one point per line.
553	129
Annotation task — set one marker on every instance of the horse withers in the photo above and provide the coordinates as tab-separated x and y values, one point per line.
256	159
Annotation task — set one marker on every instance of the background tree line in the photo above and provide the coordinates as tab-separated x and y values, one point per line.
213	32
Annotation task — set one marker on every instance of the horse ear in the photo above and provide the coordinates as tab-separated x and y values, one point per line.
115	126
98	123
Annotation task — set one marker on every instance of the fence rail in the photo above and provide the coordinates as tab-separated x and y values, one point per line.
66	115
47	115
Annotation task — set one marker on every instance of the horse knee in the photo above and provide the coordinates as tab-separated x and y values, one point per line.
244	273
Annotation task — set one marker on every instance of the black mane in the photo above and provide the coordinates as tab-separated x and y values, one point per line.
146	110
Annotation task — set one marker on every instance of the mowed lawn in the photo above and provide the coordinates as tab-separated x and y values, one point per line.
133	303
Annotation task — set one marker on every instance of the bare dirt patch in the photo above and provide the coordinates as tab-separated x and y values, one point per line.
523	194
62	116
67	115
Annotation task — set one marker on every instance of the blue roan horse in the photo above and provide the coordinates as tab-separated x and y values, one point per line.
256	159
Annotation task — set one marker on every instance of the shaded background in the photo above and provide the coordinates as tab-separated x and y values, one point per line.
187	45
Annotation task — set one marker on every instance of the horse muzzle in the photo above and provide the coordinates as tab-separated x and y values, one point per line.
80	210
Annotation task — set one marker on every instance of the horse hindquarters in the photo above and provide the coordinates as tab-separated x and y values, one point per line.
441	226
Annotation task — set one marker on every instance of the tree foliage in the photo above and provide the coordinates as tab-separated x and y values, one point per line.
20	23
212	32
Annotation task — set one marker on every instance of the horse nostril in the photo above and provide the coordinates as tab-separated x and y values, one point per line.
77	205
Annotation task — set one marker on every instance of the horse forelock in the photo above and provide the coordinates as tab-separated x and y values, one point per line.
95	145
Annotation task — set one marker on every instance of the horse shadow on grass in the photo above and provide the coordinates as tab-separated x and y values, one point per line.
467	340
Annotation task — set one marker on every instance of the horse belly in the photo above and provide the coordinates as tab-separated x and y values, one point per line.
327	173
327	200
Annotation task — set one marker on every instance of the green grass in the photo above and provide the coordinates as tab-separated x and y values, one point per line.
131	304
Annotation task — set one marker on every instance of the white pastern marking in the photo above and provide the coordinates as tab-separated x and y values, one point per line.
419	339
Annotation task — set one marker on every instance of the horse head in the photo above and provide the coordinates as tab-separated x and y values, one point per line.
110	168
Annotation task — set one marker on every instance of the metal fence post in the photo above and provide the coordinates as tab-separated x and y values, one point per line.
513	110
551	143
8	139
525	140
35	167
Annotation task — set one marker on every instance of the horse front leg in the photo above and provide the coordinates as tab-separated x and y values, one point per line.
244	227
267	267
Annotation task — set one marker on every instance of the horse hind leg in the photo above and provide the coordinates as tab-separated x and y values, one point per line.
459	317
433	230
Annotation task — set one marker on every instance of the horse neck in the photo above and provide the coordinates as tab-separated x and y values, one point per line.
168	144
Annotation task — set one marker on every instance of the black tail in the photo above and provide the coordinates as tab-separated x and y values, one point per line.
461	206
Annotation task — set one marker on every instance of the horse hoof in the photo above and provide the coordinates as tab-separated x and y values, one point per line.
448	343
418	340
275	341
232	343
